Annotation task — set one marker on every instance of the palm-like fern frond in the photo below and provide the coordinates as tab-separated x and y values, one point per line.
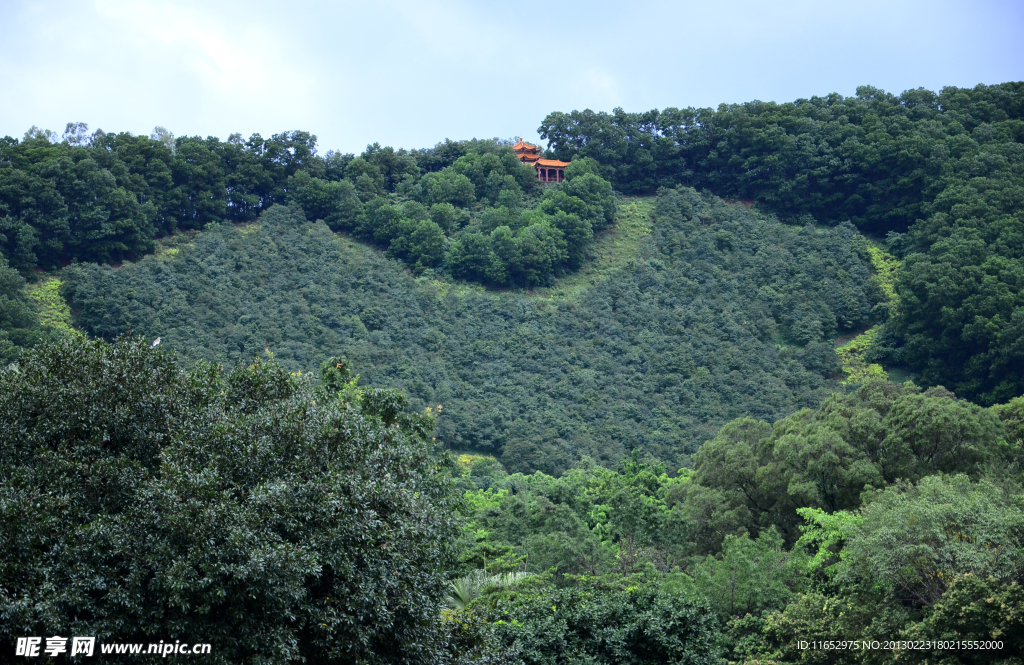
468	588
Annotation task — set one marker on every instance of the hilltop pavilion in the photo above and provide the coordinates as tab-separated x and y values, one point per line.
548	170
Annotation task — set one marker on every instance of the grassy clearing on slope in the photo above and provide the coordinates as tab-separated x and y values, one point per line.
53	311
852	354
614	249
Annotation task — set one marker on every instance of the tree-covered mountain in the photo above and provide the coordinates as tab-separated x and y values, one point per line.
662	458
723	312
941	174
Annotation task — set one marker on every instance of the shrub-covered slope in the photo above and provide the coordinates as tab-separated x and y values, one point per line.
724	313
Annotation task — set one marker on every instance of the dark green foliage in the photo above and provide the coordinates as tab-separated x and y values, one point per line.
254	511
655	357
961	292
283	518
484	224
947	167
873	159
606	622
334	202
104	197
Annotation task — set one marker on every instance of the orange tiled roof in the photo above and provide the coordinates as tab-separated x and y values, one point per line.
523	145
529	158
551	162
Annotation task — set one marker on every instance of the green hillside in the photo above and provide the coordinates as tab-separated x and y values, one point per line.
676	388
938	175
721	312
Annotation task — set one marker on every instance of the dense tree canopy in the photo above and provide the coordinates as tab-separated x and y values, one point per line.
939	173
858	520
270	517
19	321
726	313
663	458
946	170
471	209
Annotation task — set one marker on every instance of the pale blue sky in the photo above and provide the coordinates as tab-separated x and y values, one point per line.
410	74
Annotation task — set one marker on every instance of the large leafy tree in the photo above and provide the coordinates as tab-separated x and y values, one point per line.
271	517
760	474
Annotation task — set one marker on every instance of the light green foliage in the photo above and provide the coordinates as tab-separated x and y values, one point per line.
591	521
53	311
824	533
582	166
852	355
1012	415
912	541
468	588
484	499
886	272
20	324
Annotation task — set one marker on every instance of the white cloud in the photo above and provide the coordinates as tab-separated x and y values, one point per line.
236	63
410	73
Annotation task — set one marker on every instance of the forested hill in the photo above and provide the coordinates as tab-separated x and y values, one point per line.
723	312
942	174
